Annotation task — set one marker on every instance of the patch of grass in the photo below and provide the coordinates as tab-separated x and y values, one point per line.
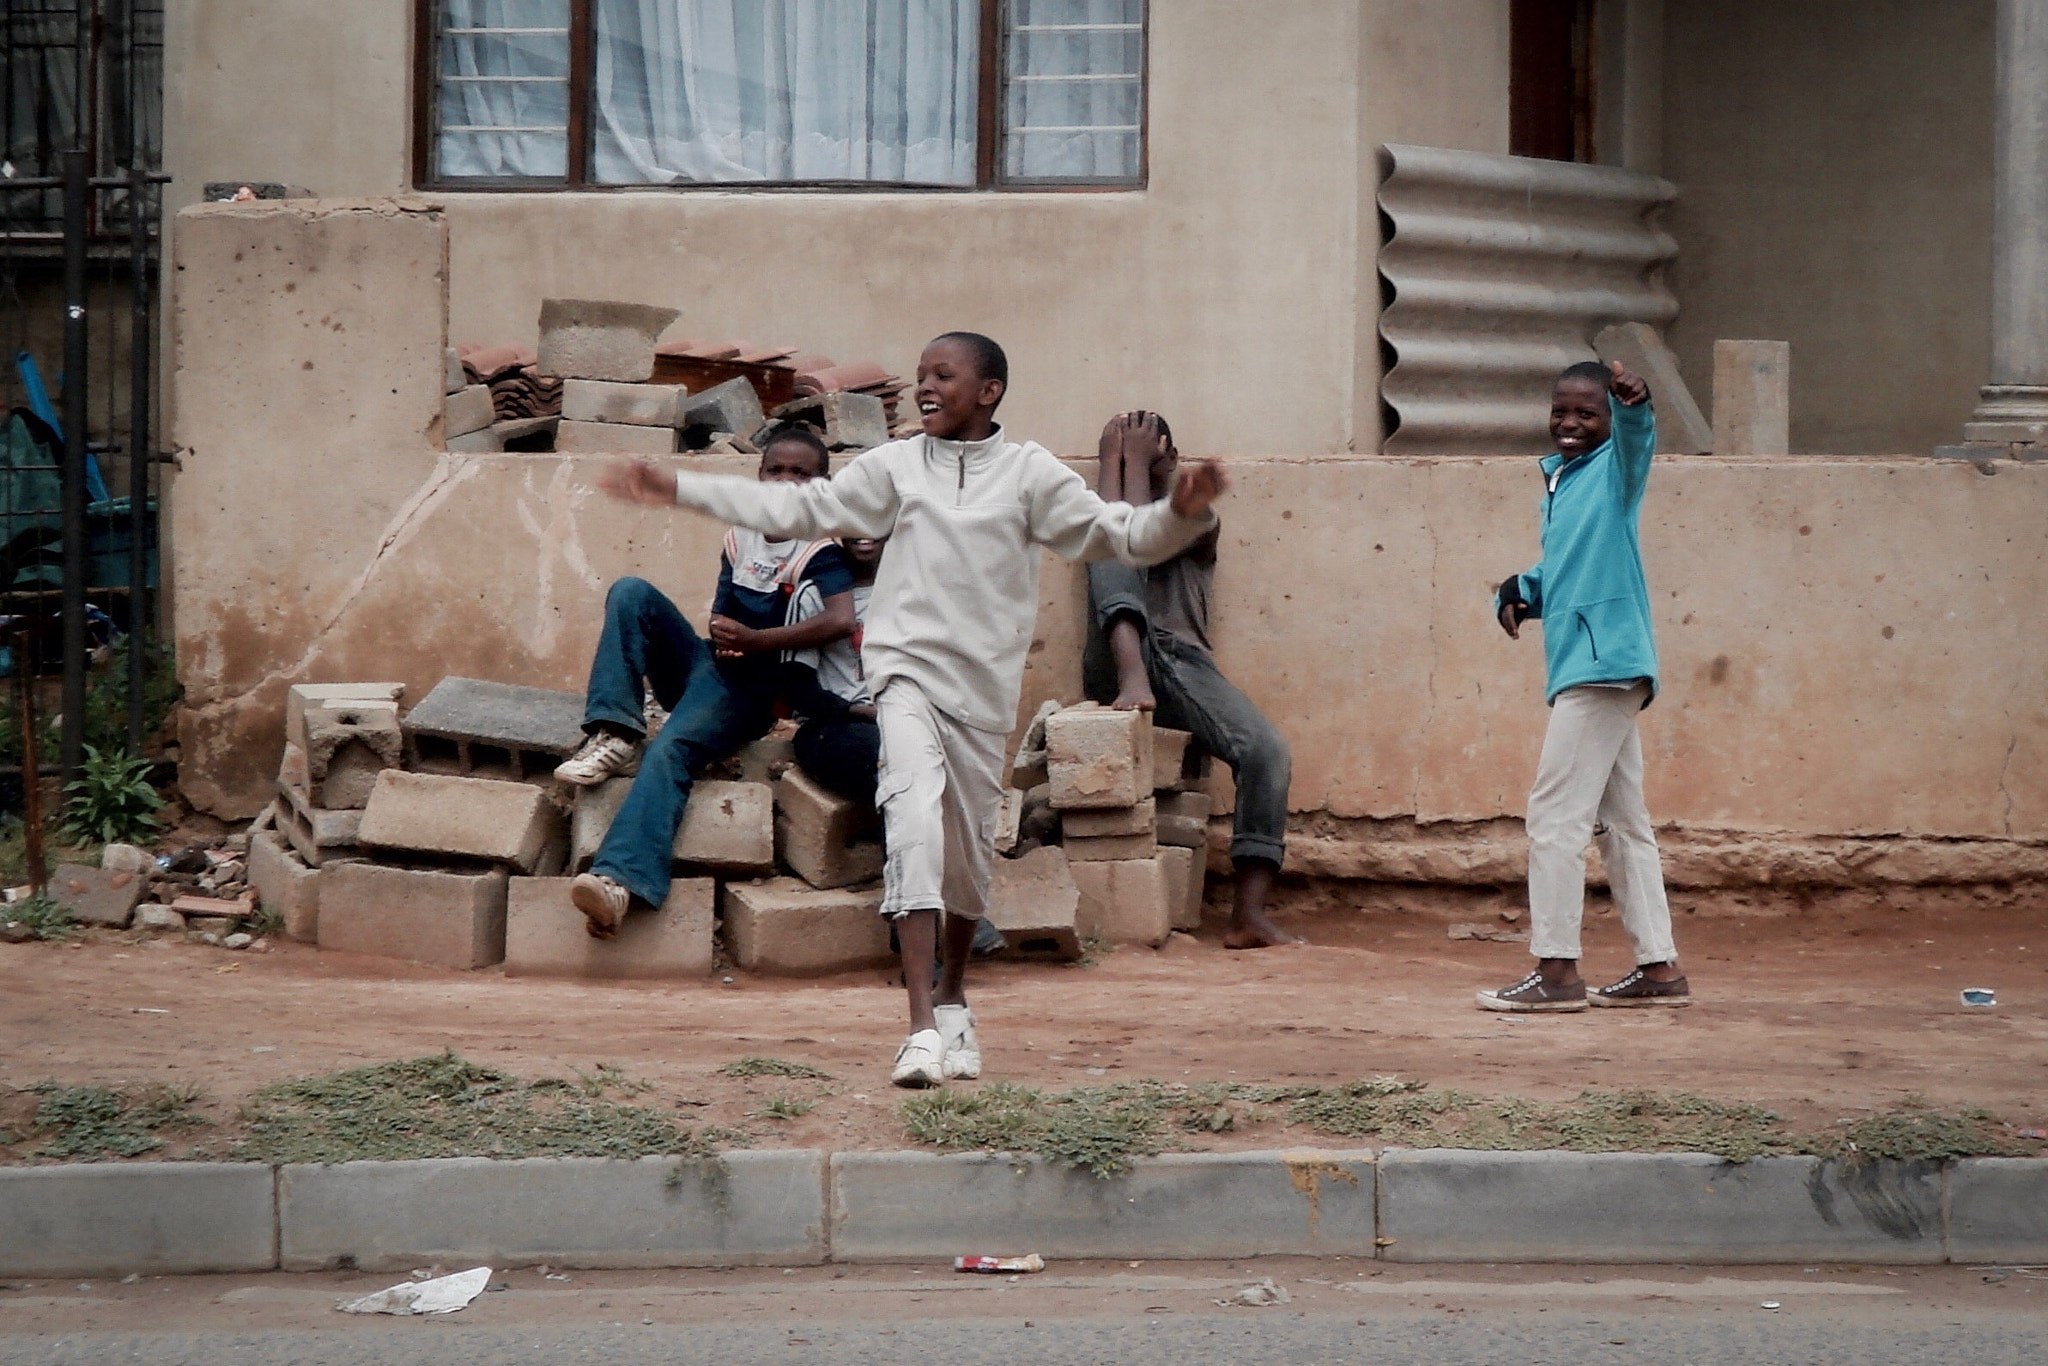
774	1067
445	1106
1094	949
1918	1132
14	851
785	1107
45	917
96	1123
1097	1128
266	923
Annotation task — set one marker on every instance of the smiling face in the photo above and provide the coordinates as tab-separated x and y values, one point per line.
954	400
1579	416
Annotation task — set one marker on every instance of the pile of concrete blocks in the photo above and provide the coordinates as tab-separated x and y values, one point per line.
476	728
338	738
1131	831
467	414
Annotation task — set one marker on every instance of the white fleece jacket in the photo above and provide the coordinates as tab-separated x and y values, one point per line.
956	597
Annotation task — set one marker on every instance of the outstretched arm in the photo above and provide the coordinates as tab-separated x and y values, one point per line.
1635	431
1071	521
860	500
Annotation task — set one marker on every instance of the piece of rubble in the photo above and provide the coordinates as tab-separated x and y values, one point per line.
468	410
449	919
96	896
127	858
1098	757
1186	874
1036	903
1027	768
848	421
1184	819
1009	818
546	936
472	727
152	916
240	939
822	837
1104	822
732	407
633	405
600	339
464	818
788	927
1126	901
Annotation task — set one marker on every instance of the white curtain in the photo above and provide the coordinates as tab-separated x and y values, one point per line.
1074	93
778	90
504	92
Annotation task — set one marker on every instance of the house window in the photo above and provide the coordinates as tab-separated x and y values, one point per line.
1550	79
958	94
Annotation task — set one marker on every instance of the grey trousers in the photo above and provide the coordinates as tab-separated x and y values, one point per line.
1194	696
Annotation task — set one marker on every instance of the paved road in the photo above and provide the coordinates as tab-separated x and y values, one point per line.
1357	1313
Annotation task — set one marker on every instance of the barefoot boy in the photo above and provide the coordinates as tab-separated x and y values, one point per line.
947	631
720	693
1590	595
1149	648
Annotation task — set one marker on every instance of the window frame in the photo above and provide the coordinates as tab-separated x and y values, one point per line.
989	130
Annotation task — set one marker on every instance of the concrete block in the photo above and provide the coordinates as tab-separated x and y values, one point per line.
489	441
634	405
607	438
788	927
454	378
1034	901
1682	429
1009	820
1182	1205
1098	757
1186	872
763	761
97	896
545	936
849	421
149	1218
598	339
448	919
1998	1210
300	696
154	916
468	410
1752	398
727	827
315	834
1109	848
822	837
729	407
461	818
1442	1205
1184	819
1125	902
738	1209
482	729
286	884
1169	756
1111	821
344	747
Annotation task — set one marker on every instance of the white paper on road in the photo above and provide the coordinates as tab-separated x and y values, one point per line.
442	1295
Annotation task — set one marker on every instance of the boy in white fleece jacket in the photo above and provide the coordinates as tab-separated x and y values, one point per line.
947	631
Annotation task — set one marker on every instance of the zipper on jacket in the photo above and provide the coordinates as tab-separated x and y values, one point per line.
960	495
1592	641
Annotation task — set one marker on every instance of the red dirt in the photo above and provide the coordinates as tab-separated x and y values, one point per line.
1819	1014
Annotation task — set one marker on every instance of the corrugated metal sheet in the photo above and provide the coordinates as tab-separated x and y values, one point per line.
1498	271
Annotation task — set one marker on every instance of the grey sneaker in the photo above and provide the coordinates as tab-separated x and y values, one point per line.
1532	993
603	755
602	901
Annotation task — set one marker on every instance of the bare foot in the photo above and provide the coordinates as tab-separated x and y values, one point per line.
1256	932
1135	697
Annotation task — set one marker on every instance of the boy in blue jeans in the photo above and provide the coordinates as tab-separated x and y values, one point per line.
1601	660
720	693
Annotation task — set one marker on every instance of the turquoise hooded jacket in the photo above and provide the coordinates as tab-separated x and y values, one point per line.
1589	588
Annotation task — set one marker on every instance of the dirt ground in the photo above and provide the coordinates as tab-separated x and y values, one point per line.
1821	1014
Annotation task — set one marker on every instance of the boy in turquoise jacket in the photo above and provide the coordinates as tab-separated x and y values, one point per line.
1601	659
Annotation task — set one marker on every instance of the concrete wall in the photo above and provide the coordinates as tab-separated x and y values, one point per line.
1835	167
1838	635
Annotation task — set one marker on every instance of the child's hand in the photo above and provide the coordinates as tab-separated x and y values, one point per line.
1626	384
638	481
1199	485
1512	615
730	639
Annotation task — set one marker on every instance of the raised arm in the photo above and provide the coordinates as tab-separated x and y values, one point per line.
1635	433
1071	521
860	500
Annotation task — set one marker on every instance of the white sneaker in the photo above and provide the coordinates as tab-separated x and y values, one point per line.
921	1060
602	901
603	755
963	1050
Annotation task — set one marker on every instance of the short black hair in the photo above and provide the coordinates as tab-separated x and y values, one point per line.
803	434
989	360
1593	370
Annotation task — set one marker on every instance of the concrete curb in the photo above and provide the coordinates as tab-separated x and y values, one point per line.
804	1207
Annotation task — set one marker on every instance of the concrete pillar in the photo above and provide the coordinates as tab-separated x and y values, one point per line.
1752	398
2014	405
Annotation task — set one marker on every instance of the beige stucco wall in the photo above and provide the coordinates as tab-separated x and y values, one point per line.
1839	640
1835	168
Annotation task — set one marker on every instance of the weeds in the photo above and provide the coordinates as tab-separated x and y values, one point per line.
1917	1132
112	800
1100	1129
95	1123
774	1067
446	1106
45	917
785	1107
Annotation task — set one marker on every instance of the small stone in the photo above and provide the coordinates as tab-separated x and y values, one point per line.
152	916
126	858
238	940
14	932
214	925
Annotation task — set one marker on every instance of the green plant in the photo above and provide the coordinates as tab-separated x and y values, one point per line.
774	1067
45	916
106	705
111	800
96	1122
785	1107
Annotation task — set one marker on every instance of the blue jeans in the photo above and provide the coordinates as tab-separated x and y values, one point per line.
645	637
1194	696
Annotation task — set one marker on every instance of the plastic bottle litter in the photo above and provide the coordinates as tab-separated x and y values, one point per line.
1979	996
996	1266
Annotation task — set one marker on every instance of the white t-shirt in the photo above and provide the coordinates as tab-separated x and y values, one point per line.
838	664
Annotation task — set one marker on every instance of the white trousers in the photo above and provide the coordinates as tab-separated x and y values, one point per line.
940	792
1591	776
